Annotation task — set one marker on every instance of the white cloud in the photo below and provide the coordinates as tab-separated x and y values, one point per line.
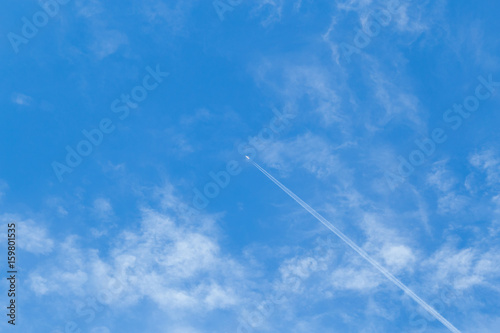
34	238
40	285
464	268
387	244
443	179
336	267
440	177
398	256
495	228
396	98
102	208
177	267
406	17
295	82
201	115
488	162
57	204
108	42
413	18
21	99
272	9
483	323
452	203
175	15
89	8
311	152
355	279
105	41
31	236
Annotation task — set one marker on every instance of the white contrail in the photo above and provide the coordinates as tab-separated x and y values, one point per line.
360	251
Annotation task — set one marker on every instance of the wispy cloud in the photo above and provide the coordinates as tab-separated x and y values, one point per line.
33	236
102	208
21	99
3	188
488	162
464	268
178	267
108	42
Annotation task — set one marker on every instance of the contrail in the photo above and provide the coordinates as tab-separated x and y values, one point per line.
360	251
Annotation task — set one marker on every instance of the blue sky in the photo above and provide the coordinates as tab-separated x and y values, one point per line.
382	115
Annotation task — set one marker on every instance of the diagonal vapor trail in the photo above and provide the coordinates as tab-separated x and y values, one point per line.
360	251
